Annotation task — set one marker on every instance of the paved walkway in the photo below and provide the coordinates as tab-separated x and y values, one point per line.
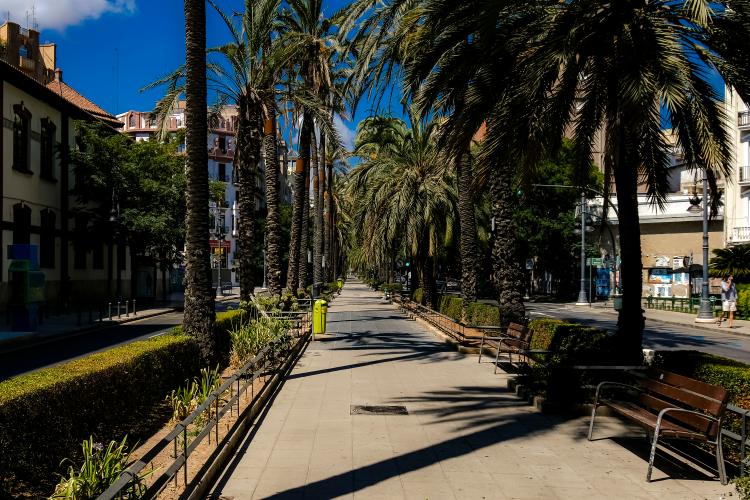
465	435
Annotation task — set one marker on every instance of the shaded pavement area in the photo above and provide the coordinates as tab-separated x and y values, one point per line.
465	435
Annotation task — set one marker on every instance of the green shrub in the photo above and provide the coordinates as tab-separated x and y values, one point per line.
45	415
483	314
418	296
100	469
569	344
451	306
734	376
743	302
391	288
277	303
251	338
743	487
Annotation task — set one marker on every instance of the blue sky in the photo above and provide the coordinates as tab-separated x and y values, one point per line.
146	37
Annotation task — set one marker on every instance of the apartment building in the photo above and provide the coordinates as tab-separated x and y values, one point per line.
39	114
737	222
142	125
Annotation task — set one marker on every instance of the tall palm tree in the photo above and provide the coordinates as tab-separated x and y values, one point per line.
244	72
273	215
308	37
468	232
298	204
405	193
199	299
543	69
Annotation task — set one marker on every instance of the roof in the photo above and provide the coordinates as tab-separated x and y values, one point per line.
71	95
58	98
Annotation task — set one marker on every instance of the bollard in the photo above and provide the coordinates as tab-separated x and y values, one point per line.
127	312
119	310
109	310
134	314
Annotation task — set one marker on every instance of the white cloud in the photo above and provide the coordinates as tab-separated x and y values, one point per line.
59	14
347	134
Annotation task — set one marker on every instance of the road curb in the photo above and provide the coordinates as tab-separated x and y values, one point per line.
697	326
17	344
33	340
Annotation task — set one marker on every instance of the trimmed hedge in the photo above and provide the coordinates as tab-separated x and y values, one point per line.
483	314
477	313
570	344
732	375
45	415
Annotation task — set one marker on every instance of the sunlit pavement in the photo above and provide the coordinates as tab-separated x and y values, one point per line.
465	435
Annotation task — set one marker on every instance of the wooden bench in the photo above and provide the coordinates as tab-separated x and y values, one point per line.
670	406
516	339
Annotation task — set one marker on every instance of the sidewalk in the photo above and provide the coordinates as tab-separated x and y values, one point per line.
68	325
741	327
464	434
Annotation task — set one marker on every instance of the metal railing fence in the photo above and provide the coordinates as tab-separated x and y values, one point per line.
217	404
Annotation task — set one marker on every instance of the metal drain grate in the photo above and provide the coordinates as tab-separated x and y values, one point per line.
378	410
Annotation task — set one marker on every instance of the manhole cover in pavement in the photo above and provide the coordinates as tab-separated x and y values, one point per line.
378	410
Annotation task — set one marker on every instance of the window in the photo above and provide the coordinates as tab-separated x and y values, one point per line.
21	224
79	246
222	172
47	240
223	144
21	142
47	148
132	121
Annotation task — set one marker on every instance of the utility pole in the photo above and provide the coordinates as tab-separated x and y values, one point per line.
582	298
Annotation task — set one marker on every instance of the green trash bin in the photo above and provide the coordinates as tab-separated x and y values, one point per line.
320	310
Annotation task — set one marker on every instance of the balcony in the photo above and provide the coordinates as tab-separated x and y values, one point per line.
740	235
743	120
744	173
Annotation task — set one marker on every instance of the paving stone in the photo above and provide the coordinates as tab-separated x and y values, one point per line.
465	435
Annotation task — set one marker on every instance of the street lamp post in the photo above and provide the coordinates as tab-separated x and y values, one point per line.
582	298
705	312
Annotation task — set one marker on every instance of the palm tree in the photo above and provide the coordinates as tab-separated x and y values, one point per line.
468	232
199	299
244	74
406	197
308	37
543	69
734	260
273	216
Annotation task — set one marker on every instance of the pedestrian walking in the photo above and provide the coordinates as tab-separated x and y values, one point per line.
728	299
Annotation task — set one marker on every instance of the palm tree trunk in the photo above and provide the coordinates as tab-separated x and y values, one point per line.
506	266
247	153
304	265
631	320
468	227
273	220
298	209
199	299
318	185
327	221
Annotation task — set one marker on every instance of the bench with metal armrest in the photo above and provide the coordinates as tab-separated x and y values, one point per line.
515	339
670	406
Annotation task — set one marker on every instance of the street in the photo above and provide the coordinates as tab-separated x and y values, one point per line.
65	349
658	335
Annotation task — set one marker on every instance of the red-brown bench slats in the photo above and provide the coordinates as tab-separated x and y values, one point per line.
690	409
